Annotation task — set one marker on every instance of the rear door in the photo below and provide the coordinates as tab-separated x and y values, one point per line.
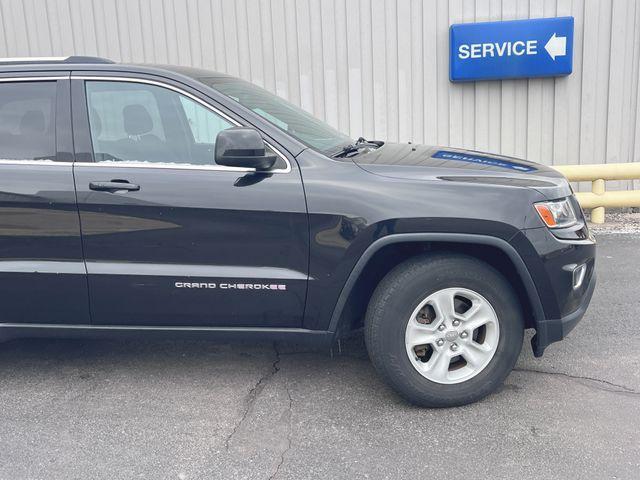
42	274
170	238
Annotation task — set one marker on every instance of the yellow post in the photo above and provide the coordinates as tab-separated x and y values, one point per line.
597	214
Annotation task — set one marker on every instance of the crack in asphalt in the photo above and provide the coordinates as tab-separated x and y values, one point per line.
621	389
251	398
250	401
289	414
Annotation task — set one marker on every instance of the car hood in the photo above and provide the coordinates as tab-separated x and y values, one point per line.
424	162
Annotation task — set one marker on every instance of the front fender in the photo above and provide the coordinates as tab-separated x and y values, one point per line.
459	238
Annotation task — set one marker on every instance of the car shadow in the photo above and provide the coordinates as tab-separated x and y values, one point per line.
36	356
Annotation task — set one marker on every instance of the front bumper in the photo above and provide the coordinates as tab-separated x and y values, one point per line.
554	330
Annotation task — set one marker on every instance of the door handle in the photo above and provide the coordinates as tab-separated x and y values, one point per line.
113	186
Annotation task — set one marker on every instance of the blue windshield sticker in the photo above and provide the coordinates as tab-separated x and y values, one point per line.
481	160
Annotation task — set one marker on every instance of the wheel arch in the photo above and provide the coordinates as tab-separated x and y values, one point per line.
383	254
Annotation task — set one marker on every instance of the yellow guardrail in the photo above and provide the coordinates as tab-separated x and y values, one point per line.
599	199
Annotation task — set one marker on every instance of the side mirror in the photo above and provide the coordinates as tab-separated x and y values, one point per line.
242	147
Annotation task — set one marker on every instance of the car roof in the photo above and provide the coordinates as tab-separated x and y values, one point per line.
31	64
192	72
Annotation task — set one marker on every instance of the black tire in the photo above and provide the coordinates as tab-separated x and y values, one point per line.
402	290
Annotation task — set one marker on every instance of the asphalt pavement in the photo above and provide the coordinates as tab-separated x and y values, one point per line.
194	410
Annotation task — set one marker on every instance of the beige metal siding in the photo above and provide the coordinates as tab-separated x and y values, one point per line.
377	68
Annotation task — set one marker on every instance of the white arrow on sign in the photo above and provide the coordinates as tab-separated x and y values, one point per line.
556	46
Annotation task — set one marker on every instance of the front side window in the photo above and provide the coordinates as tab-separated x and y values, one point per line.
27	121
137	122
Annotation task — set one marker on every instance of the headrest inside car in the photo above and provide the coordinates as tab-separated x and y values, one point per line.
137	120
32	122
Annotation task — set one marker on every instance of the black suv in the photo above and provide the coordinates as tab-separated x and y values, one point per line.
172	200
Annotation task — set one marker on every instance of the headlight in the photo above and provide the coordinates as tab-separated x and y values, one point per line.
557	214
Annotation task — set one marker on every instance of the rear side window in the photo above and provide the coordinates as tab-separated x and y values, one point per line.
27	121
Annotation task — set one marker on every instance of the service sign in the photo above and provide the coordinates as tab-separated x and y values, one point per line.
515	49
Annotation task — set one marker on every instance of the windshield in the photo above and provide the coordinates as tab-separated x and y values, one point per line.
284	115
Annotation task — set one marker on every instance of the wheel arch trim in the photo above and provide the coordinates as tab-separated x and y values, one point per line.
468	238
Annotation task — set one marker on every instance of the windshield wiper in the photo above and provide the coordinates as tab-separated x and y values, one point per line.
355	147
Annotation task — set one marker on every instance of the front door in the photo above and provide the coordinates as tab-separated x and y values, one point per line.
170	238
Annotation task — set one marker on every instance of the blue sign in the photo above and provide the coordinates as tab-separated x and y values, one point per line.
515	49
482	160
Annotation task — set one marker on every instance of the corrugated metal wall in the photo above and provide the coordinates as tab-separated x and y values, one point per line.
377	68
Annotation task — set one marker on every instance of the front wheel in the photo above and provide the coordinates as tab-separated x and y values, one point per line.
444	330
